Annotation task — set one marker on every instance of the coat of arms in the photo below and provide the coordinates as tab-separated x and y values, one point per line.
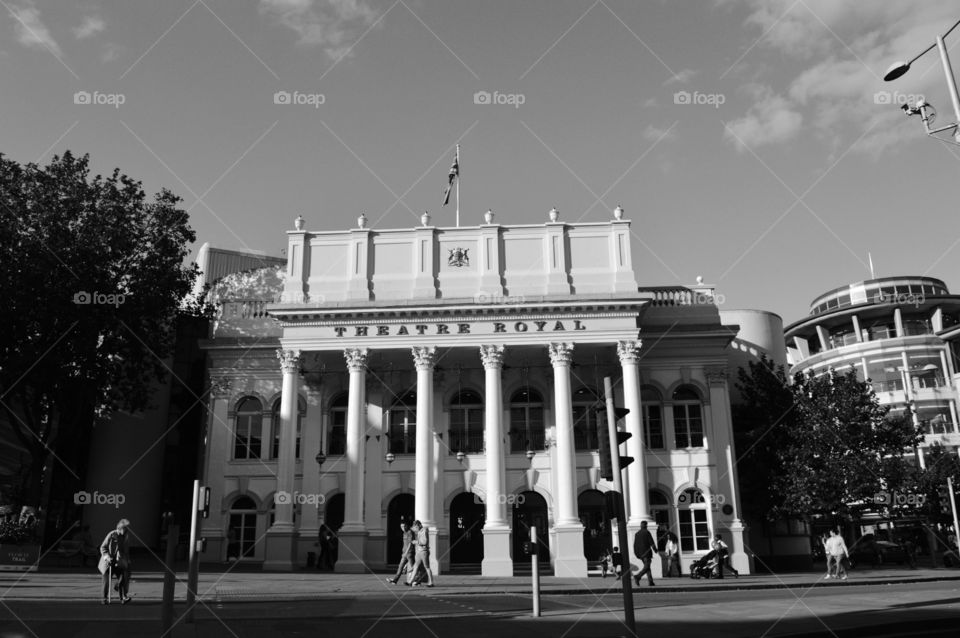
459	257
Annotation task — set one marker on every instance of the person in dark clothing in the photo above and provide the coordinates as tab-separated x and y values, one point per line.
115	557
643	548
326	541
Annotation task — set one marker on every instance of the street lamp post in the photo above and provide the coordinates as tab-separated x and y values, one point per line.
923	108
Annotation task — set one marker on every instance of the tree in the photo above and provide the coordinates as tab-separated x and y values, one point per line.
92	283
820	446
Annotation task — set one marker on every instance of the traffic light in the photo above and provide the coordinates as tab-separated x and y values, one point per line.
943	497
606	463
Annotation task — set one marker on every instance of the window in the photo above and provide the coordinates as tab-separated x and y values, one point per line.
652	418
692	516
403	425
249	423
275	425
526	421
687	417
337	444
466	423
585	403
242	529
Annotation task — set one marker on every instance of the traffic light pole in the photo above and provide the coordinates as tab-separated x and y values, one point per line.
953	507
625	572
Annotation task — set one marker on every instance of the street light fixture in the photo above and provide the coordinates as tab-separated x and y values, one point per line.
923	108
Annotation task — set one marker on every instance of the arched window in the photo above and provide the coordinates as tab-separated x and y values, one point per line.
275	425
692	515
687	417
403	424
526	421
466	423
337	443
242	528
652	417
248	429
585	403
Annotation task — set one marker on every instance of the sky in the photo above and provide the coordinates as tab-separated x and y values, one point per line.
750	142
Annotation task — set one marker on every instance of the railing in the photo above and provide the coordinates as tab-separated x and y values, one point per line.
677	296
244	309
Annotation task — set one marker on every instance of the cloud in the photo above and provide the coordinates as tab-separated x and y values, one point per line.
771	120
31	32
656	134
330	24
681	77
832	59
92	25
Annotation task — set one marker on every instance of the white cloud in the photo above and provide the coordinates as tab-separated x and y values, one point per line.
682	77
31	32
330	24
92	25
771	120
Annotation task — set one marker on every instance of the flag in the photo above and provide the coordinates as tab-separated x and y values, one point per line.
454	174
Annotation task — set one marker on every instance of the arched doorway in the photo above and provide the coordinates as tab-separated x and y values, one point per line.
530	510
333	514
660	511
400	510
596	524
466	522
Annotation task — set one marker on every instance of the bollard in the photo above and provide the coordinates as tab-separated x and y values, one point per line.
169	580
535	563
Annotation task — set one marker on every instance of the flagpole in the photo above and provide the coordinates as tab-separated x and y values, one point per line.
458	186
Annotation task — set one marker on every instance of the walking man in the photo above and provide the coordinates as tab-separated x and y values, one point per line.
643	547
407	559
115	557
422	555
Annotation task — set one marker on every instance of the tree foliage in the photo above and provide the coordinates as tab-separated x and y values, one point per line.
92	283
825	444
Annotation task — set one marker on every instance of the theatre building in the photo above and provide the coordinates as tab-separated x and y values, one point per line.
451	375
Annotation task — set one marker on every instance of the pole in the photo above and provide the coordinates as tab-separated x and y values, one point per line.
953	506
193	564
458	184
951	81
625	573
169	580
535	565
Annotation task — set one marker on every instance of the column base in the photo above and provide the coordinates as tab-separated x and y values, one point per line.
740	558
567	549
351	553
439	546
496	552
279	550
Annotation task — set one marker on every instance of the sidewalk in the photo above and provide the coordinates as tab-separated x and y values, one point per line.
233	586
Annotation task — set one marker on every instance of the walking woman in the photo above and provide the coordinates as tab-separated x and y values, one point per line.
115	557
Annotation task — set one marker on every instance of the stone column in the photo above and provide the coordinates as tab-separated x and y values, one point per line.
496	529
423	504
281	537
353	533
567	529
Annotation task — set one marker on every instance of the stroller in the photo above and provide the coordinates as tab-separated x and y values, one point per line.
706	567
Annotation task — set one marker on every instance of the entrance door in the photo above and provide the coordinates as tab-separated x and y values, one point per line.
400	510
530	510
596	524
467	515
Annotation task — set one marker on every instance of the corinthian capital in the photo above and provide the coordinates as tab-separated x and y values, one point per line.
492	356
356	358
561	354
220	387
628	351
424	357
289	360
716	376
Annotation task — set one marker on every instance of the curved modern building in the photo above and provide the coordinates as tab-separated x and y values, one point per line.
892	331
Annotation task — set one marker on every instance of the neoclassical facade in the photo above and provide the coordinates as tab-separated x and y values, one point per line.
452	375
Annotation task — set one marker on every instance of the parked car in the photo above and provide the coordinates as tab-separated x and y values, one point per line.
870	551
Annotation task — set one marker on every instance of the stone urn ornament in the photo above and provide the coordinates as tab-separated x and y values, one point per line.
425	219
488	217
362	221
618	212
554	214
299	222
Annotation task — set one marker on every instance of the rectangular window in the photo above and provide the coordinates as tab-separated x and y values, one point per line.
694	533
688	424
585	428
338	433
466	430
246	444
403	431
652	427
